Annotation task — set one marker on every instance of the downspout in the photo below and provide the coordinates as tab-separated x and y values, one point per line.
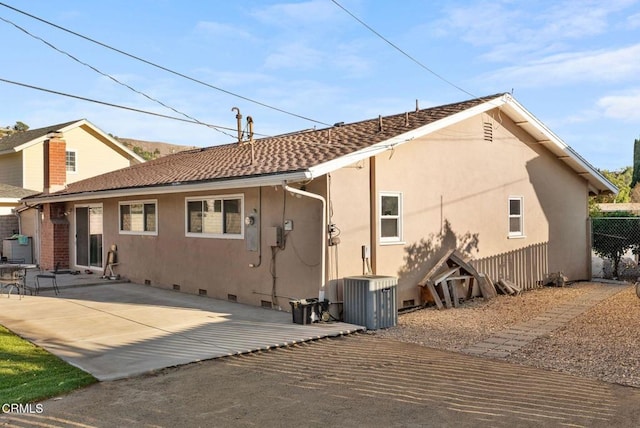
17	214
373	215
323	240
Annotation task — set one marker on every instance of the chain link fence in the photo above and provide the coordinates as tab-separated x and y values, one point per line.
615	247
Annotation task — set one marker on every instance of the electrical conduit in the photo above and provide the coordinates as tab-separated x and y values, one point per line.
324	229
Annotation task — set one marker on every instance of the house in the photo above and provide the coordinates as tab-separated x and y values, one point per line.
10	200
47	159
629	207
287	217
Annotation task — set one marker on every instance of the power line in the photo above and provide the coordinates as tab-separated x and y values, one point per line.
402	51
168	70
104	74
104	103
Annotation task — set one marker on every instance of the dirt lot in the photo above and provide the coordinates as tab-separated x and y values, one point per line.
602	343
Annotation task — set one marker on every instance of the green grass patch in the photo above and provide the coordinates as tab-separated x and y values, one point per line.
29	373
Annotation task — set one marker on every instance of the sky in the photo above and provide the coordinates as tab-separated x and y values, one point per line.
295	65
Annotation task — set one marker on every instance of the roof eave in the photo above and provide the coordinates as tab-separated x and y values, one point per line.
398	140
108	137
269	180
9	200
598	184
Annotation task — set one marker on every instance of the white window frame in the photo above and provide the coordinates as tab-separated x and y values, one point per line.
153	202
520	233
390	239
75	161
238	196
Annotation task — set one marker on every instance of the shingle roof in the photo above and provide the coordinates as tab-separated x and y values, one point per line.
19	138
13	192
273	155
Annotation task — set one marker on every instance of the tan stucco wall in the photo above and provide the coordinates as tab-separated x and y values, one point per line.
221	266
455	176
452	177
11	169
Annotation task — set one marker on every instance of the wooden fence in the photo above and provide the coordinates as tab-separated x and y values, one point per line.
525	267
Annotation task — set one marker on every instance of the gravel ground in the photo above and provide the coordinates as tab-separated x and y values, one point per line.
602	343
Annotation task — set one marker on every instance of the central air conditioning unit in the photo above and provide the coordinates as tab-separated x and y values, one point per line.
370	301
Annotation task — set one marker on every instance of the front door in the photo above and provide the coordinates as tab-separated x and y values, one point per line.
89	236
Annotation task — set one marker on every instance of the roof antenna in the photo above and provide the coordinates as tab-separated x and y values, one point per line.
239	120
250	125
417	106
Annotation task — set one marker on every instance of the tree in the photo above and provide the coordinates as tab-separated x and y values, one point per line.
622	180
20	126
636	163
614	234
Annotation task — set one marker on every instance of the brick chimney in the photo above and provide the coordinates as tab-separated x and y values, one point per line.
54	237
55	163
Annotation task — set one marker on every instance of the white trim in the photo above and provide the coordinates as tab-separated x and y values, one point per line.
505	103
239	183
105	136
554	144
375	149
222	198
70	127
9	200
75	160
75	232
519	234
392	239
137	202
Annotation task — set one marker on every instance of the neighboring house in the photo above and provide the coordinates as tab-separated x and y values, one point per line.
287	217
48	159
9	201
629	207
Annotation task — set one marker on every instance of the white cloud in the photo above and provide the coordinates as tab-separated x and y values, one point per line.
220	30
617	65
634	20
294	55
303	14
512	33
621	107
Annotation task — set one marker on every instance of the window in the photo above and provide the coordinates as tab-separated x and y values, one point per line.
390	217
215	216
139	218
516	226
71	161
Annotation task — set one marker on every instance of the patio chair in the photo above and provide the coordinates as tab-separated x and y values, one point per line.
52	277
14	278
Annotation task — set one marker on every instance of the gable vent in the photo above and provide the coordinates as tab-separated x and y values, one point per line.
488	131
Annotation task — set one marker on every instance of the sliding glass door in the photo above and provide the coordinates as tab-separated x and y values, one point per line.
89	236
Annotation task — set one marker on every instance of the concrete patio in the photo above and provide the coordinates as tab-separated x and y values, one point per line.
115	330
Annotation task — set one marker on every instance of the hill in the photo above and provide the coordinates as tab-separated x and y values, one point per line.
152	149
